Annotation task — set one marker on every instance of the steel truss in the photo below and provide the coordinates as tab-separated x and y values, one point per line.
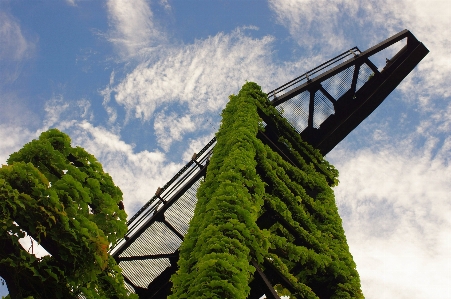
324	105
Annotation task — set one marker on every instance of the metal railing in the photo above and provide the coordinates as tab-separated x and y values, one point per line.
314	72
164	194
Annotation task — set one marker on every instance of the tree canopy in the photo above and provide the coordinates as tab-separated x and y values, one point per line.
61	197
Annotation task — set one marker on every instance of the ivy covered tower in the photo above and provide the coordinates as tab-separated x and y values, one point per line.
266	214
253	213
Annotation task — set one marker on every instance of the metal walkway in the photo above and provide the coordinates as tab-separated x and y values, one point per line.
324	105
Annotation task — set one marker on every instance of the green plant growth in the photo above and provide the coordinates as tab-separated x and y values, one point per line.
60	196
245	179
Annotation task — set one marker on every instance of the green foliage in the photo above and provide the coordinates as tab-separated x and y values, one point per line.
60	196
246	177
223	235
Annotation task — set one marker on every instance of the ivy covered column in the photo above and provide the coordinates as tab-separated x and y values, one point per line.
267	199
223	235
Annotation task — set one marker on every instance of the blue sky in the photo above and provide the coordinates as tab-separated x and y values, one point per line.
141	84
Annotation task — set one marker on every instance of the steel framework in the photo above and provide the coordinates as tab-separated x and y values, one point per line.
323	105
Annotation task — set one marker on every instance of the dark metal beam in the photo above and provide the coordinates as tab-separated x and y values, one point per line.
168	225
161	286
359	59
311	108
169	184
355	75
262	284
275	277
129	282
147	257
372	66
367	99
328	96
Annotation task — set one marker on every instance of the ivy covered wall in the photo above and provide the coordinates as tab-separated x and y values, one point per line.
267	198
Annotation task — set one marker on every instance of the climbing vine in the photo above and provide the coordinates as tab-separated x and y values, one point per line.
248	177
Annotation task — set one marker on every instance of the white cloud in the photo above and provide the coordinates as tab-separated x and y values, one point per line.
58	113
12	139
106	93
169	128
138	174
15	49
316	23
201	75
132	26
396	210
166	5
195	146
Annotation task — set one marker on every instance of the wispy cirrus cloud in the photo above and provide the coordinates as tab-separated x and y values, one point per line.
196	79
133	30
106	93
166	5
202	75
71	2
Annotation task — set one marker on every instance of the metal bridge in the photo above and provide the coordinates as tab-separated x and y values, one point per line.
324	105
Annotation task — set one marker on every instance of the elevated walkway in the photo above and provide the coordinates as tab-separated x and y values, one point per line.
323	105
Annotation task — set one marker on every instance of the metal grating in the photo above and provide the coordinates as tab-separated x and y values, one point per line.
365	73
142	273
296	111
156	239
322	110
308	76
337	85
181	212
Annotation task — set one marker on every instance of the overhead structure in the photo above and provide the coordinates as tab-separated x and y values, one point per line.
323	105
